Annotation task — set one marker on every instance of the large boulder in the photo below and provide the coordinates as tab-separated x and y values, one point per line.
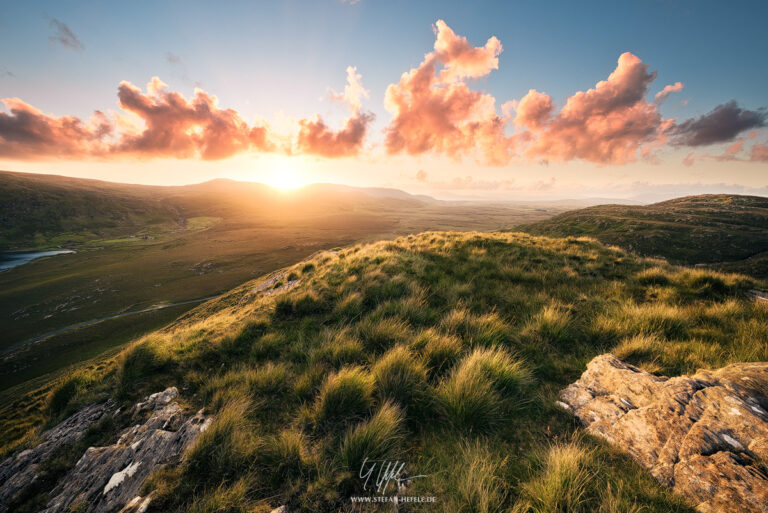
705	435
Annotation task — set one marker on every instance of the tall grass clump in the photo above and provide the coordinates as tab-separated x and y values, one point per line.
224	451
378	438
344	397
401	378
140	363
476	484
339	348
283	458
439	351
67	389
479	394
552	324
485	330
378	335
561	483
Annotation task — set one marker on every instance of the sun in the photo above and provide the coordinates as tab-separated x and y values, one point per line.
284	178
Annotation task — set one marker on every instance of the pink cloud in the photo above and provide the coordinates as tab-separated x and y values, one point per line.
668	89
438	112
28	133
604	125
759	153
462	60
181	128
315	137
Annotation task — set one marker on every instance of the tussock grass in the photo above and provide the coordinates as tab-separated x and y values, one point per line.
225	451
444	350
378	438
141	362
486	329
482	390
378	335
439	352
562	484
344	396
401	378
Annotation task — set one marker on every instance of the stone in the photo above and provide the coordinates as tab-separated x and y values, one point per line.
705	436
20	470
108	479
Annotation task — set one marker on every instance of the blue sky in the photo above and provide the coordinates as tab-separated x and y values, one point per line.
273	60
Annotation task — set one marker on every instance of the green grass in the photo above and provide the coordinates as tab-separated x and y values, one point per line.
723	231
445	351
201	240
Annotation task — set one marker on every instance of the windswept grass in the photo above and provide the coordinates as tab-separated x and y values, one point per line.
444	351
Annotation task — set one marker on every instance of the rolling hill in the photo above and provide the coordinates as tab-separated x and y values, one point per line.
444	351
724	231
139	247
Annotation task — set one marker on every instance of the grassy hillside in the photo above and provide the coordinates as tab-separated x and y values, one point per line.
706	229
207	238
443	350
38	211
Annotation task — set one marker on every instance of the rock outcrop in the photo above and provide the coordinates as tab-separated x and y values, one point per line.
108	479
705	435
21	470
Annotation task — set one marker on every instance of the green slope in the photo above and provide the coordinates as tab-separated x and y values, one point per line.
443	350
707	229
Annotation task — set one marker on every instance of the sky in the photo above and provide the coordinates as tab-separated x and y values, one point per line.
459	100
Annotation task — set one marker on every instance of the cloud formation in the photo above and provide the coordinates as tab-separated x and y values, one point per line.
722	124
172	127
668	89
181	128
605	125
316	138
28	133
64	36
438	112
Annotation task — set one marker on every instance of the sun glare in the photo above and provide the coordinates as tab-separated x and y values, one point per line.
284	177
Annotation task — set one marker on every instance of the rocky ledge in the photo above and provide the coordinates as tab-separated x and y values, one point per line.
108	479
705	436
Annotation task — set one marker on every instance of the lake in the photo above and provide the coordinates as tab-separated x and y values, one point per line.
11	260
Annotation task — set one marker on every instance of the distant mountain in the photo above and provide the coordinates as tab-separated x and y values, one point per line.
731	230
39	211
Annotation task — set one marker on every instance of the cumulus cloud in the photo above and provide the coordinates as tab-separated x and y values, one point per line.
315	137
438	112
723	124
181	128
668	89
354	92
28	133
173	126
605	125
64	36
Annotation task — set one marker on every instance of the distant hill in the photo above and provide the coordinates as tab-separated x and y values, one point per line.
725	231
38	211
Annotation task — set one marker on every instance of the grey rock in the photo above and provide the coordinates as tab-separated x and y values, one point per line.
108	479
21	469
705	436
